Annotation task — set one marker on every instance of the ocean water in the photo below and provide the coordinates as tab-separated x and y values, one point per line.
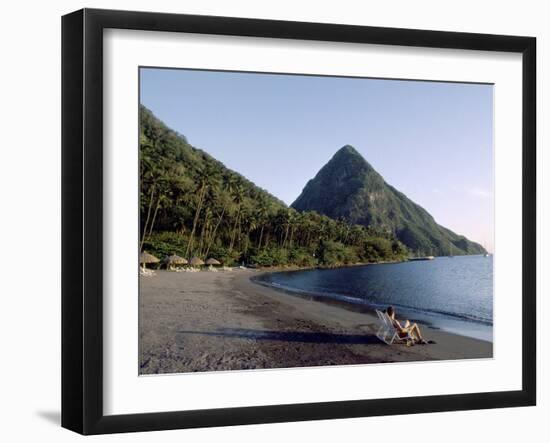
450	293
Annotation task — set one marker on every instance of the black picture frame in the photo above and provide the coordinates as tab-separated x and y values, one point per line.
82	218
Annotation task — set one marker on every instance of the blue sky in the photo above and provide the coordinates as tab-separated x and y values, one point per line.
432	141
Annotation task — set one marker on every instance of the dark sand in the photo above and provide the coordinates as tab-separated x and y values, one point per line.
215	321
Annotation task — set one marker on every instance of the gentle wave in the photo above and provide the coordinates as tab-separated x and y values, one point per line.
362	302
455	294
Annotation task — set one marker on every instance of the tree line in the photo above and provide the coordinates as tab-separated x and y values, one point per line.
192	205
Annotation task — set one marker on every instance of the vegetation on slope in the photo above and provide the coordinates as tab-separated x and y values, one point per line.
192	205
349	188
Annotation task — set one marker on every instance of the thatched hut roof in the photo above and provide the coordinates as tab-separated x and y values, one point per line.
196	261
146	258
174	260
212	261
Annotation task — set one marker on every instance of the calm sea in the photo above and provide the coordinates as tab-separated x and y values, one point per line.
450	293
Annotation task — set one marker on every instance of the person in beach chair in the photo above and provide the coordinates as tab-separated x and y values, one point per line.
407	328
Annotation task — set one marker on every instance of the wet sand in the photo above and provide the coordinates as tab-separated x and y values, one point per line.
214	321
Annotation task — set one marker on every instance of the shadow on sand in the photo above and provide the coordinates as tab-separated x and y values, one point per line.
289	336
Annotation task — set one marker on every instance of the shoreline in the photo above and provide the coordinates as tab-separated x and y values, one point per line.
433	320
206	321
349	265
290	268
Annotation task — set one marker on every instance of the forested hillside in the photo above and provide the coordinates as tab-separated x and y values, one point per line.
192	205
348	187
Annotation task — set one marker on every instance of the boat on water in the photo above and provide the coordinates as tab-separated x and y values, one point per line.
421	257
427	257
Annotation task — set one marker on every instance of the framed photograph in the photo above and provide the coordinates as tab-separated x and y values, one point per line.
268	221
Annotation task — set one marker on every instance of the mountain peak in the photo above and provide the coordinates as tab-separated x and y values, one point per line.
347	150
336	183
349	187
348	160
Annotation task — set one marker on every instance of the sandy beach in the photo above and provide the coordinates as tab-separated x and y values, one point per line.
214	321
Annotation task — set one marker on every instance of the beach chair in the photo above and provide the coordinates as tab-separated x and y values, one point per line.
387	331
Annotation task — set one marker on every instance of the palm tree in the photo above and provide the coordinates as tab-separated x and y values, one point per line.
286	218
308	227
149	208
293	221
262	215
205	227
279	223
161	202
250	224
147	177
203	183
238	197
150	179
209	202
221	204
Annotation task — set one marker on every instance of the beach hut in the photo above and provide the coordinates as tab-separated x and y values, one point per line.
145	258
196	261
174	260
212	261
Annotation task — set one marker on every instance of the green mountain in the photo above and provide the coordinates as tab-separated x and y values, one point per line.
349	188
193	205
173	165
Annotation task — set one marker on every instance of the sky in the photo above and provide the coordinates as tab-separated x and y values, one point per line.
433	141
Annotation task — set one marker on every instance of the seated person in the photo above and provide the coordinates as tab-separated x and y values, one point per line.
407	327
